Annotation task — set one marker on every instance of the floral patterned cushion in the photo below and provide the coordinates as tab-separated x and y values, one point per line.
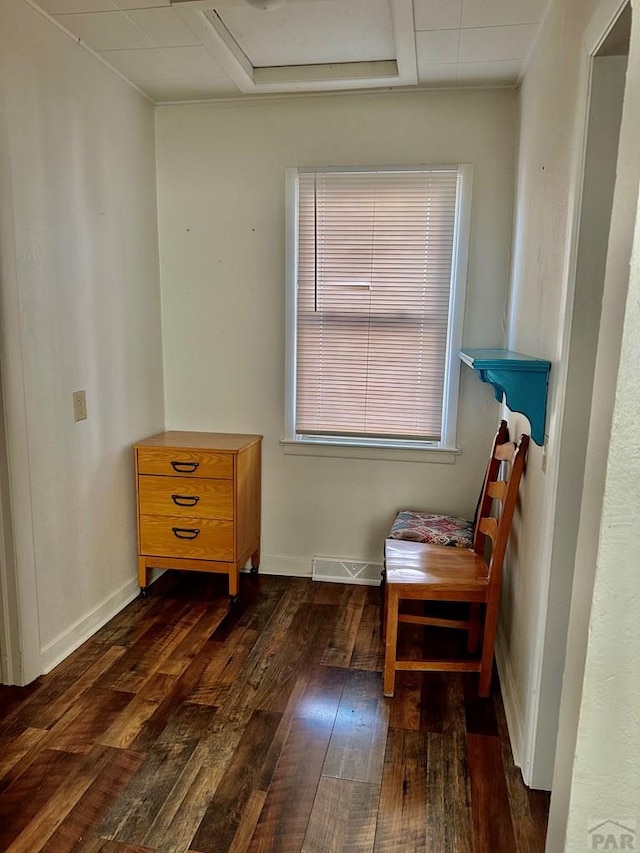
433	529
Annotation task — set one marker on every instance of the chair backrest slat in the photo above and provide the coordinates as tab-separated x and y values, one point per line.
489	526
497	490
484	504
507	507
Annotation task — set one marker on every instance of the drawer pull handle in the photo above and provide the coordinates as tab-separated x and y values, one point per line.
185	467
185	533
185	500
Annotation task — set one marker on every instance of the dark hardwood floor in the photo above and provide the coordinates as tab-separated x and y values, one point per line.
179	727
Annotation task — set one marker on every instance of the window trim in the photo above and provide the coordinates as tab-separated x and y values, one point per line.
460	262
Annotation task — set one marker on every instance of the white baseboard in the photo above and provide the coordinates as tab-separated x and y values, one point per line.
60	648
512	708
292	567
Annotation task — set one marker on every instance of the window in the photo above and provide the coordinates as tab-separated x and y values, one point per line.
376	276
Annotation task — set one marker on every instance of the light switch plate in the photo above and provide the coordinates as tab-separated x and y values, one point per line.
79	406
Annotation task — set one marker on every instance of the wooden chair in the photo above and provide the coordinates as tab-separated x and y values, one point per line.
419	571
436	529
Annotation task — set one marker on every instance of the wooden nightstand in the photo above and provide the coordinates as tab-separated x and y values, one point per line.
198	503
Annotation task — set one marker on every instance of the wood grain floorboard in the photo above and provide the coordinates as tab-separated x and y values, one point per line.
154	658
458	826
22	801
143	798
95	844
126	728
171	699
407	709
54	698
62	801
14	697
529	809
88	813
226	812
368	652
448	815
283	822
433	701
14	750
401	817
226	660
182	655
357	744
181	814
480	714
99	709
492	824
343	817
341	644
184	725
274	678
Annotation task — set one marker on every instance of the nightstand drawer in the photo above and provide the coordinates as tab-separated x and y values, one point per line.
167	462
192	497
188	537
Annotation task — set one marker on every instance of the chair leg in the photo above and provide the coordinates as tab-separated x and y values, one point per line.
488	644
474	631
391	640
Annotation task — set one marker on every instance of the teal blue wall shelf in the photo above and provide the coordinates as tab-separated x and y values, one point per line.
521	378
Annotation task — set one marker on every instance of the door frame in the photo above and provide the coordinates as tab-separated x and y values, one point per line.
19	619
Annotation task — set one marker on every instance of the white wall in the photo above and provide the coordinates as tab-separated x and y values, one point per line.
80	310
538	586
535	602
221	176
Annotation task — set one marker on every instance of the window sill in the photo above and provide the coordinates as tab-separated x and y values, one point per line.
379	453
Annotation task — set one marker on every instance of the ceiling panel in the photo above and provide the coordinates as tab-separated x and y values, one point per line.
194	61
313	33
437	14
164	27
105	30
499	13
437	46
66	7
488	44
433	74
146	64
140	4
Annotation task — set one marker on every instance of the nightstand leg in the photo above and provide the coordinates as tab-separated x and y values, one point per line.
143	576
255	562
234	585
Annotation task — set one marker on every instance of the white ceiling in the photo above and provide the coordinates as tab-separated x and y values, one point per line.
209	49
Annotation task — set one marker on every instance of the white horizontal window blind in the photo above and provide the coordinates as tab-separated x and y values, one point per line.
374	278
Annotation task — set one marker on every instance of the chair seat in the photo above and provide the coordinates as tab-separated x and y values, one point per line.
441	569
412	526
